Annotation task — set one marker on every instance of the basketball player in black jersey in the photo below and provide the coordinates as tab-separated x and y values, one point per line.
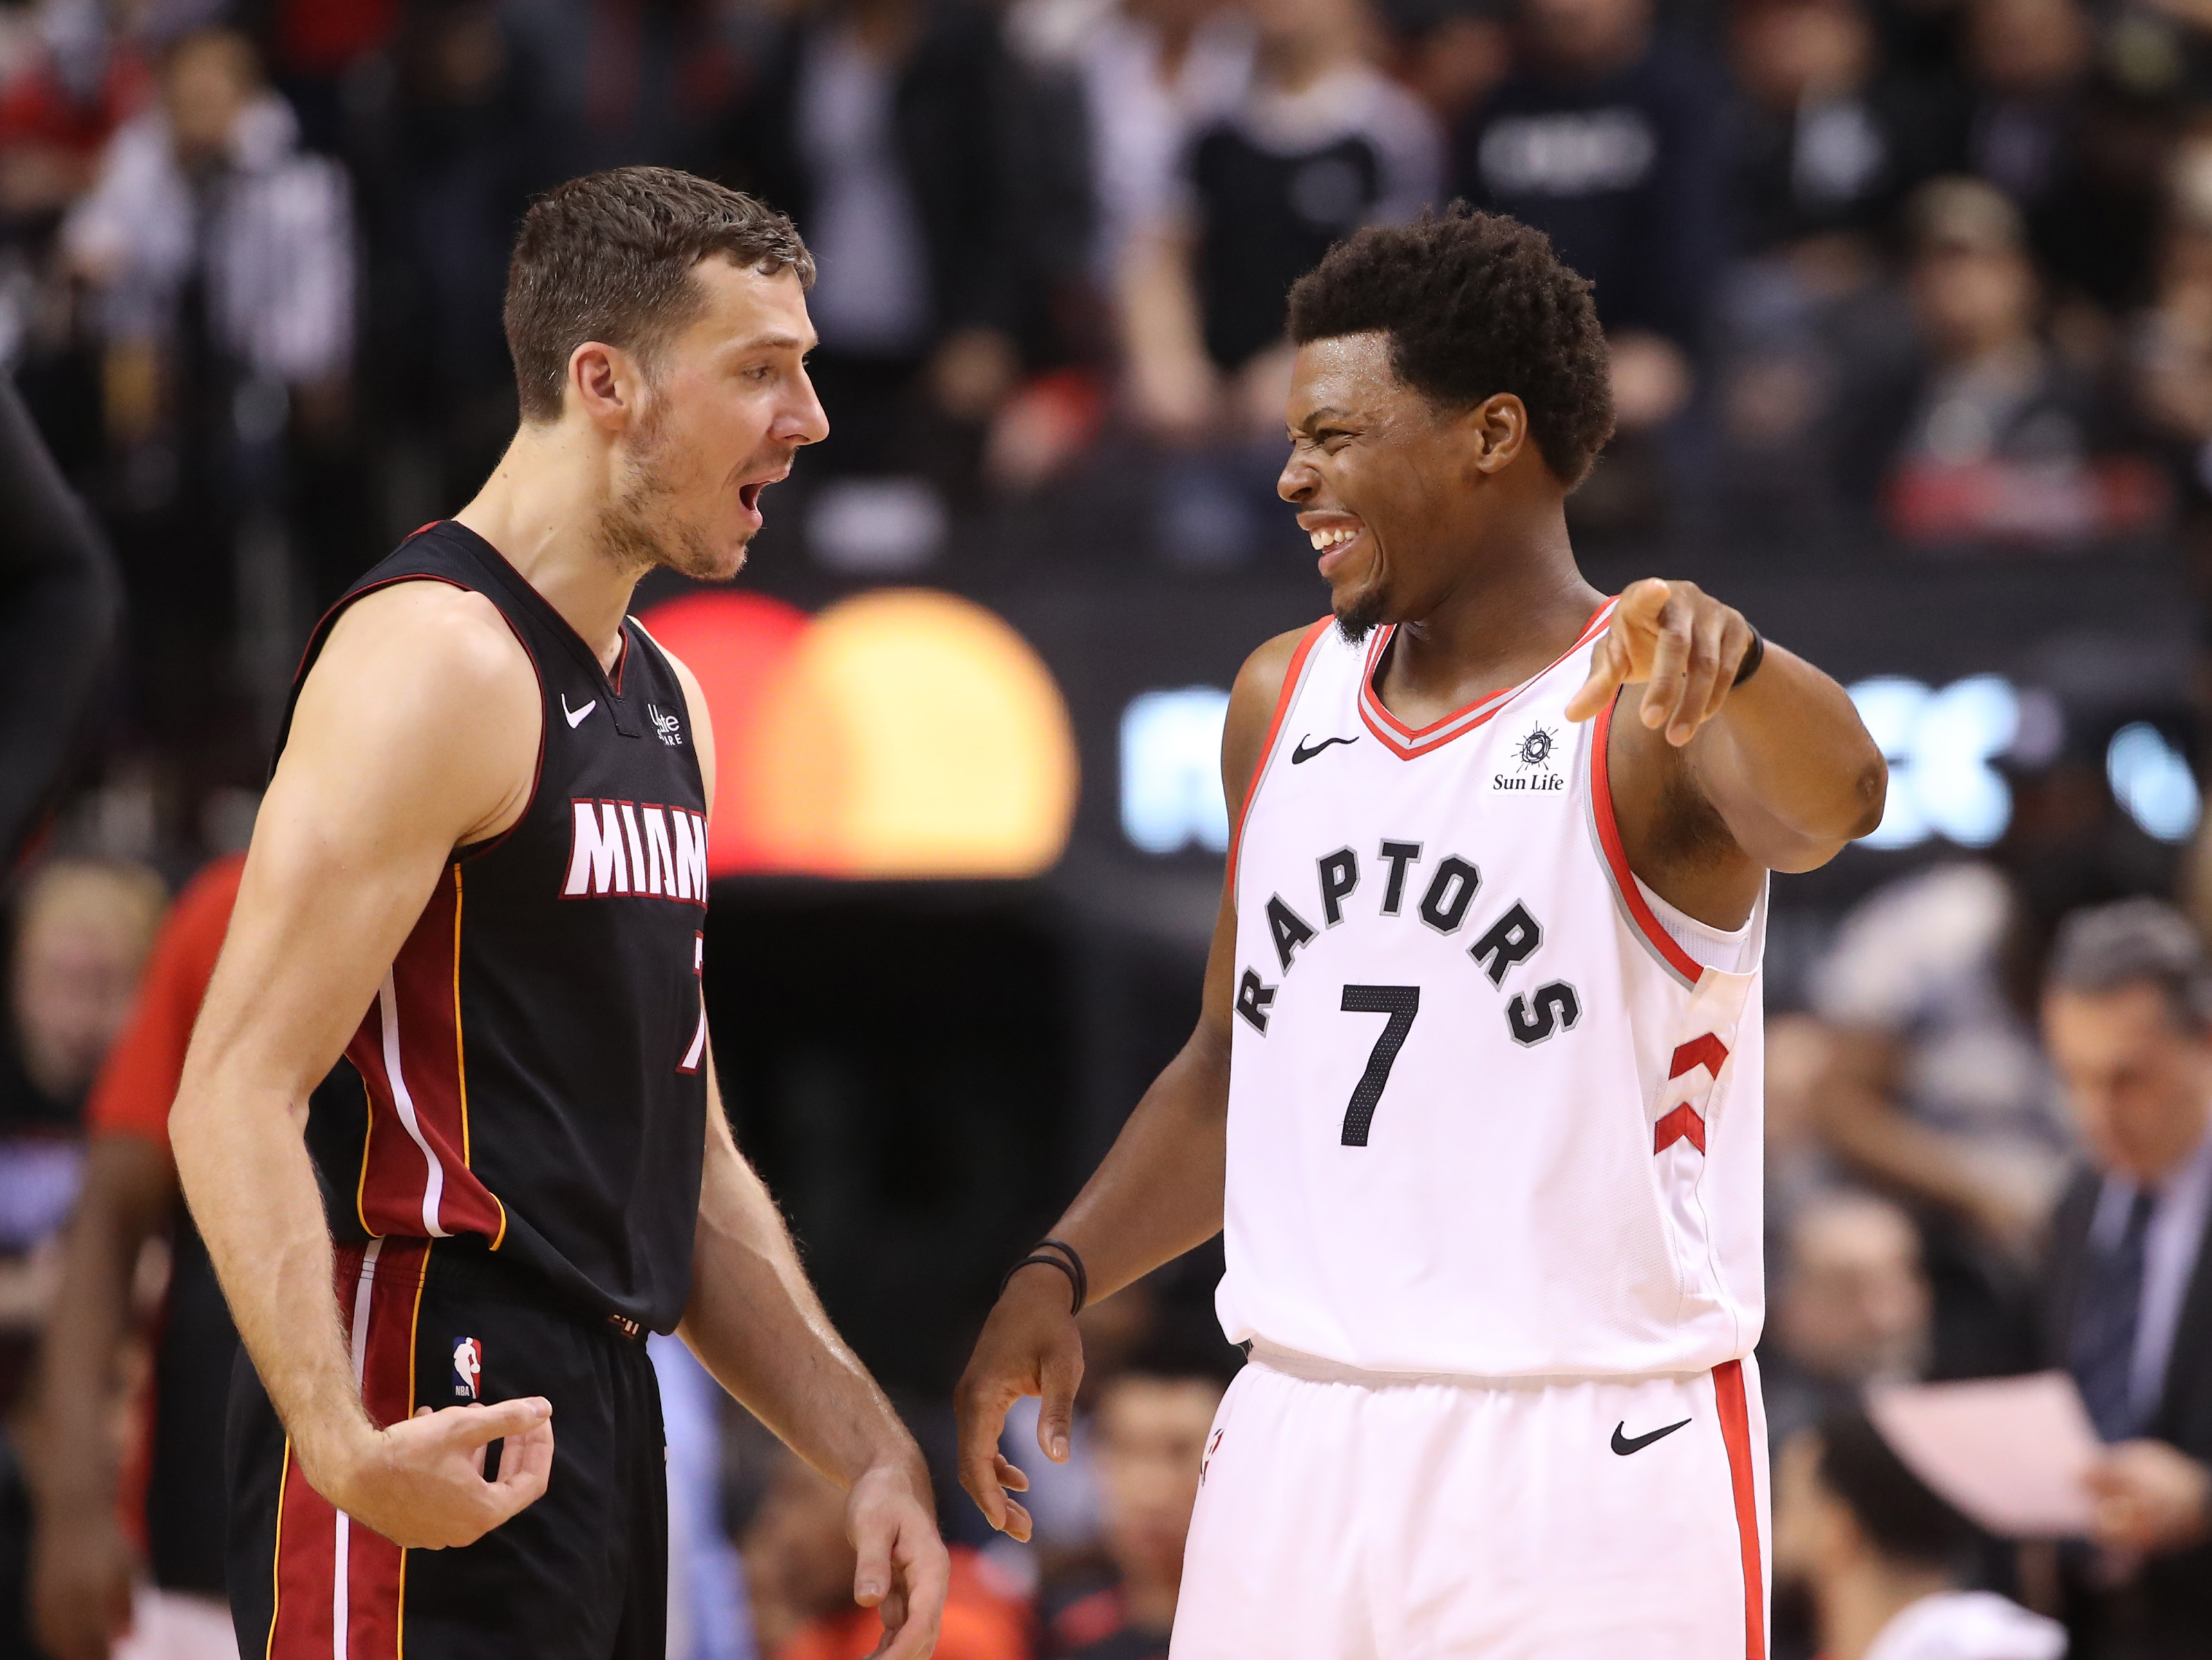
487	829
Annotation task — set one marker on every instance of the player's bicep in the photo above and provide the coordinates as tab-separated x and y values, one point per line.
409	738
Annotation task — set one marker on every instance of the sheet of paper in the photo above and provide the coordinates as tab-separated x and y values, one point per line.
2009	1453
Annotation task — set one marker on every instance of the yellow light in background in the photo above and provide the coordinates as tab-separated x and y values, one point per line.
914	734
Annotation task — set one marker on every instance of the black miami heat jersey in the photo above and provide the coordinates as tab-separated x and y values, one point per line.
534	1068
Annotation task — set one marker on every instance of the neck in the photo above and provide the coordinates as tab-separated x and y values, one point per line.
1294	65
541	509
1858	1602
1511	613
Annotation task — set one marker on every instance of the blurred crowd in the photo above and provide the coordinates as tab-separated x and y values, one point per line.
1930	273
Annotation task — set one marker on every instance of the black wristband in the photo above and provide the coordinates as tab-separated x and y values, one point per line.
1079	1274
1046	1259
1755	655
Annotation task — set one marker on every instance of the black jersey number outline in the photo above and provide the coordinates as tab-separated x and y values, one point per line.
1401	1003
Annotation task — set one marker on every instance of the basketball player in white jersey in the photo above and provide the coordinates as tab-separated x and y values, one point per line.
1475	1091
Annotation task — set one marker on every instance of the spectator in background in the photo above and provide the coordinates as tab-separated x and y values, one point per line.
1451	54
87	1553
1884	1558
220	258
2075	152
1608	137
2127	1287
1934	1087
1823	143
1851	1308
884	128
1151	1428
82	930
1985	433
1321	144
800	1566
2168	357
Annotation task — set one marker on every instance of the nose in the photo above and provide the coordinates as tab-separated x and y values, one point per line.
1297	482
805	421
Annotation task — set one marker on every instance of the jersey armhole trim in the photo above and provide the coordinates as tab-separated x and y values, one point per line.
1284	699
1605	830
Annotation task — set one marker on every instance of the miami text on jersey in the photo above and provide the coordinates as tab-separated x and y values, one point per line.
626	847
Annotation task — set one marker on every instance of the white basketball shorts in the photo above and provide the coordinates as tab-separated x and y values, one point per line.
1358	1516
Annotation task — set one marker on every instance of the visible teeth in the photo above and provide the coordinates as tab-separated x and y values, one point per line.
1325	539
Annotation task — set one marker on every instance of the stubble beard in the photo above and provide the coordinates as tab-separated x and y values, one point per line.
1361	615
641	530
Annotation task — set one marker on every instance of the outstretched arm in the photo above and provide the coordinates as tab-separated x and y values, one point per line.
1158	1193
377	785
1715	783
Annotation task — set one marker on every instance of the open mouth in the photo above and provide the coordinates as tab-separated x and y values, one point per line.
1333	541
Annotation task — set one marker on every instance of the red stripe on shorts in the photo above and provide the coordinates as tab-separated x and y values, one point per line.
1735	1431
311	1535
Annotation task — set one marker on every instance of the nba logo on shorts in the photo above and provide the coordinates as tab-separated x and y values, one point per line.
468	1368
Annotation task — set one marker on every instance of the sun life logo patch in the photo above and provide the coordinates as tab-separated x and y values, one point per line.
1531	774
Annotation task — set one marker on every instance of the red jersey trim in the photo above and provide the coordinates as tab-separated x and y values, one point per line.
1284	699
1408	743
339	1588
1678	962
1735	1433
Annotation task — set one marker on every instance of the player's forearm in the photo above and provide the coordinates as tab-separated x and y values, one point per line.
1791	766
118	1208
755	1323
245	1174
1158	1191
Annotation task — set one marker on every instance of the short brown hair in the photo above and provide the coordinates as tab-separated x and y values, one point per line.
608	258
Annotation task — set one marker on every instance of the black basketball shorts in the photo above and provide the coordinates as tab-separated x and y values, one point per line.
581	1575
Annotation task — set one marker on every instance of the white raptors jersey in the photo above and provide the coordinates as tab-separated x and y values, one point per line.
1486	1116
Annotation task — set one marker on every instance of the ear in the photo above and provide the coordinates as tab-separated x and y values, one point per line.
1496	432
606	384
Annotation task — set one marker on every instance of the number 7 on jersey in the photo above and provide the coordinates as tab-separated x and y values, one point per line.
1401	1003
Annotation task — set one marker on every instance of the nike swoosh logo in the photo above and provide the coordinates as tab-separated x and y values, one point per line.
576	715
1624	1445
1300	755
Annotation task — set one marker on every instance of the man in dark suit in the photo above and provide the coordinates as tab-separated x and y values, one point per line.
2127	1015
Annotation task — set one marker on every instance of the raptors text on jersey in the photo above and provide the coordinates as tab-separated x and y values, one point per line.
1488	1117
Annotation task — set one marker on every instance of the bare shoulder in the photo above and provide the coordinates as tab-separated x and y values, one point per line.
1252	701
453	637
423	702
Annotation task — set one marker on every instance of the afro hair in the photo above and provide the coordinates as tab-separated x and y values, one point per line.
1474	304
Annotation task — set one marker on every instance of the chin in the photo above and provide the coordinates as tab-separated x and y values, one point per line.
1360	612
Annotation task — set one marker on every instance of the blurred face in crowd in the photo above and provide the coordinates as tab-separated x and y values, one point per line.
1152	1443
1972	299
1791	51
1388	483
1291	32
1855	1305
727	405
2138	1081
2025	48
81	940
211	78
1585	37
